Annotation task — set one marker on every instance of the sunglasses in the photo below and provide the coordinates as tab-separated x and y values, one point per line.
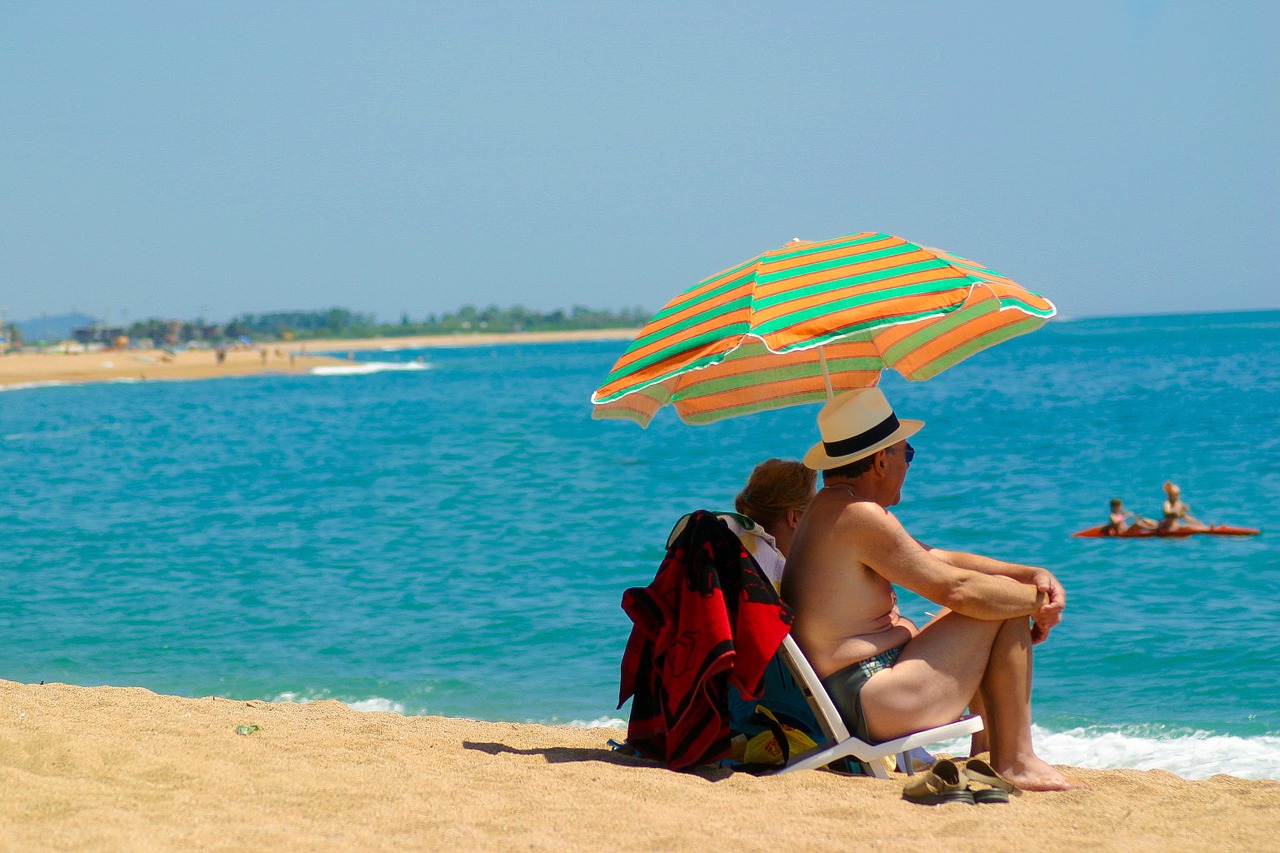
909	452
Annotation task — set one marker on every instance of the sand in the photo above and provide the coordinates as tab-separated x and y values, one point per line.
22	369
108	768
126	365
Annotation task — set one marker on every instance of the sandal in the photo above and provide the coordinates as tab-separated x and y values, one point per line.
944	783
977	770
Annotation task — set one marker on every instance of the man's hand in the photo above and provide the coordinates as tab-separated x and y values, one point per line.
1053	600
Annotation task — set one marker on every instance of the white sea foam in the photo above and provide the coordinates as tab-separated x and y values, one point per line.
1195	755
57	383
367	367
376	703
22	386
599	723
1191	755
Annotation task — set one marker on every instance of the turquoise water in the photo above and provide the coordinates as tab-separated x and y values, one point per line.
455	540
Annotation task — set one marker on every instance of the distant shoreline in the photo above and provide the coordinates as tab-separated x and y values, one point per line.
34	369
328	345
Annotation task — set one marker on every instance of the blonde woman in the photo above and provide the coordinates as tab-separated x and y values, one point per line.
1176	513
775	497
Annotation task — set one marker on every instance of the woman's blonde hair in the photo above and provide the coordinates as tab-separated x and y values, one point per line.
775	486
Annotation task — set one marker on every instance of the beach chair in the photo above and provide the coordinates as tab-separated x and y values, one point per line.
840	743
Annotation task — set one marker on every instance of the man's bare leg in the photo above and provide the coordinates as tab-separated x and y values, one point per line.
934	680
1006	693
939	673
979	742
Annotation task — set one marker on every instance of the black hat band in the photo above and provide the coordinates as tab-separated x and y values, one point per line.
862	440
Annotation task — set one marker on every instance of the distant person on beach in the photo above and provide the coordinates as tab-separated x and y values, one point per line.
1121	520
220	354
1176	513
888	677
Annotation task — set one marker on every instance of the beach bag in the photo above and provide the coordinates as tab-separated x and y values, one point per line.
779	740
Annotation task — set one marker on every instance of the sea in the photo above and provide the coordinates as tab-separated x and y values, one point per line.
447	531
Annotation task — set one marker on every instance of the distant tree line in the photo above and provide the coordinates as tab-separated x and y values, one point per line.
339	323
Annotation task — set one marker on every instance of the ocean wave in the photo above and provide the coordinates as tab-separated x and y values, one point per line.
1185	753
1193	755
59	383
598	723
367	367
51	383
376	703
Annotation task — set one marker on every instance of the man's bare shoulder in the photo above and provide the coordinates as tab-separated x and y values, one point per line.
862	514
850	522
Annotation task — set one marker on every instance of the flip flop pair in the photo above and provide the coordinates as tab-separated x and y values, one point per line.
947	782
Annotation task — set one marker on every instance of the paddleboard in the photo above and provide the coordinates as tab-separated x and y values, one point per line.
1101	532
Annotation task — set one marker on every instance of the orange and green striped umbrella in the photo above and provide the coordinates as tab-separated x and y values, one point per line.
801	323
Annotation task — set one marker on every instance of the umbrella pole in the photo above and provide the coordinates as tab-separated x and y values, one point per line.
826	374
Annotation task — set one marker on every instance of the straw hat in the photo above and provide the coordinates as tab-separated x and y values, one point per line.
856	425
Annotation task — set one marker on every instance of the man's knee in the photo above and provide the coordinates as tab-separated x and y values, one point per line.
1016	631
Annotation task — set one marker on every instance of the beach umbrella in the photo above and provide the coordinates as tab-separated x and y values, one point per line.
803	322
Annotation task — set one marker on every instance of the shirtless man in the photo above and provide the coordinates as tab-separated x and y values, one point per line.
887	676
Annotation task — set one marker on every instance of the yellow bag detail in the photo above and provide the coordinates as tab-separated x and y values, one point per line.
768	747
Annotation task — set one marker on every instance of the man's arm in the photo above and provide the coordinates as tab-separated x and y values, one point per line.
986	565
1048	615
875	538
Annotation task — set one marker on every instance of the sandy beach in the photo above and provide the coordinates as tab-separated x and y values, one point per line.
128	365
23	369
109	768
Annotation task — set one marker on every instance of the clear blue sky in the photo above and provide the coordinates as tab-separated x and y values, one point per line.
183	159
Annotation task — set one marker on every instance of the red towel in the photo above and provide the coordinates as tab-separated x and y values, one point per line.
710	618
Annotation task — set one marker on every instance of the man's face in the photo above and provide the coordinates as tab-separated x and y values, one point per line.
899	457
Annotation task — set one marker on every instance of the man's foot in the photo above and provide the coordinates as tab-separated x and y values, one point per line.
1036	775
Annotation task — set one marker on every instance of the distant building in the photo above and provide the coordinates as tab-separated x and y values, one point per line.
98	333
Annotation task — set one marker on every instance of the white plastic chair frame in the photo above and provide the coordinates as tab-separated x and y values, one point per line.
842	744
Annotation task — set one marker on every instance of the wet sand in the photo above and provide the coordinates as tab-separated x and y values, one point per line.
110	768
